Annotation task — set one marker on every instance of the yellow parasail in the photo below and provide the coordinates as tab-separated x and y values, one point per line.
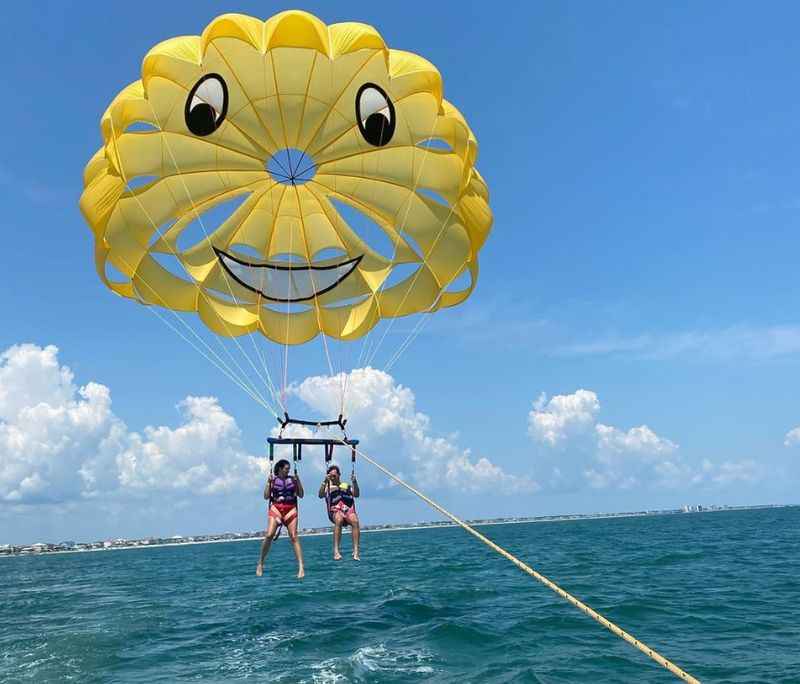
296	120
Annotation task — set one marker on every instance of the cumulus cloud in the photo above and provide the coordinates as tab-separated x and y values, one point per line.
578	450
792	437
637	440
563	417
60	442
386	411
203	455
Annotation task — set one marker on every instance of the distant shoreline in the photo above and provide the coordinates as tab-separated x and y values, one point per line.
126	545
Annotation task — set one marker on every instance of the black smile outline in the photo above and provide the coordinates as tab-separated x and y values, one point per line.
279	267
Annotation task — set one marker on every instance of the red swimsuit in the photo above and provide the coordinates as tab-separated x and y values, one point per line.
283	500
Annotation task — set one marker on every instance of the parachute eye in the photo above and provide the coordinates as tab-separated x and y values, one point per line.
375	114
206	105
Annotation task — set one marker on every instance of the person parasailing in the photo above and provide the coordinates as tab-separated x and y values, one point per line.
340	502
282	492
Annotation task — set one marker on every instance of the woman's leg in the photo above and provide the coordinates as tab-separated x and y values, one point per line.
272	525
338	519
291	529
352	518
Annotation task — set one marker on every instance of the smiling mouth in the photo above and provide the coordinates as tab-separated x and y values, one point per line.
286	282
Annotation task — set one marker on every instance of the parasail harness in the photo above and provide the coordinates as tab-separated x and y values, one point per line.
328	445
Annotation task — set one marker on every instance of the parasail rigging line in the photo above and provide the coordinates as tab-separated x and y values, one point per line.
242	381
396	242
420	324
268	379
218	363
580	605
414	279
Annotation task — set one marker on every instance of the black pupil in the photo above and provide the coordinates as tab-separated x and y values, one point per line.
201	119
376	129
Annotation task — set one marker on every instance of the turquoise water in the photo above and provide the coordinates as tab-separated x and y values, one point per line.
718	593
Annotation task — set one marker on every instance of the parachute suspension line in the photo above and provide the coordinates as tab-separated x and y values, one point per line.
243	380
289	286
233	73
316	296
324	120
348	364
612	627
198	216
412	336
414	279
215	361
258	399
280	396
398	228
402	224
406	343
276	396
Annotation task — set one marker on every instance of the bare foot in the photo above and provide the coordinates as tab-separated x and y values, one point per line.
259	569
301	573
337	556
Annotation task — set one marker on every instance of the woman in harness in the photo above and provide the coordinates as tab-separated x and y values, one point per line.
340	499
282	492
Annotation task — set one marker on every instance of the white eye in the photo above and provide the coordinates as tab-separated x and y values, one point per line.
375	114
206	105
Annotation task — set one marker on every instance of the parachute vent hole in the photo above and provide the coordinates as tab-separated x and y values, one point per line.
115	275
461	282
172	264
366	228
245	252
350	301
142	127
435	144
413	244
224	294
207	221
139	182
329	254
289	258
400	273
432	194
159	233
291	166
291	308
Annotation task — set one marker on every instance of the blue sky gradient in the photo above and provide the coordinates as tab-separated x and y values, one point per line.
642	163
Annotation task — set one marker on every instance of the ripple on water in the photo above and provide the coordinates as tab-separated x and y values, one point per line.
716	593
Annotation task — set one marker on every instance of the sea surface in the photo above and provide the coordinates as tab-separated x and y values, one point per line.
718	593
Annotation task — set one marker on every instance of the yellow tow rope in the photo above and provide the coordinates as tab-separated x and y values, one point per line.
616	629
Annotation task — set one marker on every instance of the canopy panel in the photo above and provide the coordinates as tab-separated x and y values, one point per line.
296	119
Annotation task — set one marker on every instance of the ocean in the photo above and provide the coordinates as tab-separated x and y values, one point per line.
717	593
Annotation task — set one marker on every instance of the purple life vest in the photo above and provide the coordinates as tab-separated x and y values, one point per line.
283	491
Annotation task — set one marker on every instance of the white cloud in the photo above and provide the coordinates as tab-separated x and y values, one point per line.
577	450
385	411
60	442
637	440
792	437
204	455
565	416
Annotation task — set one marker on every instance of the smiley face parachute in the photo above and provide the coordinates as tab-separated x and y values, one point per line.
301	123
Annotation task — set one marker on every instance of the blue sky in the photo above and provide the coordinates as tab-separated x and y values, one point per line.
642	167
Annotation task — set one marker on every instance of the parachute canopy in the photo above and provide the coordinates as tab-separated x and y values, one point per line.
273	144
